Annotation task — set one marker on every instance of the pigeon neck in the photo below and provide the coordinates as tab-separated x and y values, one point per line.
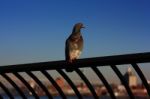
75	30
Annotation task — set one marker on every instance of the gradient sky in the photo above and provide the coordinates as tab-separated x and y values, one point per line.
36	30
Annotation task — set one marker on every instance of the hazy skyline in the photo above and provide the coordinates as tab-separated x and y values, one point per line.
36	30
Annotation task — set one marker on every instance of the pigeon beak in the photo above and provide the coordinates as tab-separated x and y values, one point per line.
83	27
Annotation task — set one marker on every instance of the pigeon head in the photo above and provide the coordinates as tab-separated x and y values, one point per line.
77	27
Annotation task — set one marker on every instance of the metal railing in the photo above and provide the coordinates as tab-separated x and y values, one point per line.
93	63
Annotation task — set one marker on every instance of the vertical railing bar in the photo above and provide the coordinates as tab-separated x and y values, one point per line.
142	77
6	90
86	81
70	83
14	85
40	84
123	81
102	78
48	76
26	84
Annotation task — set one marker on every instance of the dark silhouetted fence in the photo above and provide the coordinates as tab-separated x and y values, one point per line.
93	63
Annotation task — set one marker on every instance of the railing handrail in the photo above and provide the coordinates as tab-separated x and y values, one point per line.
93	63
86	62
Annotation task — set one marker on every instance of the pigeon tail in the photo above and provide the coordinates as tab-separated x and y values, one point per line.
70	69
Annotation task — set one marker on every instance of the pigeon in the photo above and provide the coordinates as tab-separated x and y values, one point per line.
74	45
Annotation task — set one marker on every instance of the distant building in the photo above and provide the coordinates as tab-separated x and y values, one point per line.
60	81
130	77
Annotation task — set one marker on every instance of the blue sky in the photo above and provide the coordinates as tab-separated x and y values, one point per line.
36	30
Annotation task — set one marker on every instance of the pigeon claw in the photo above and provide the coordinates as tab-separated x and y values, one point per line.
70	62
